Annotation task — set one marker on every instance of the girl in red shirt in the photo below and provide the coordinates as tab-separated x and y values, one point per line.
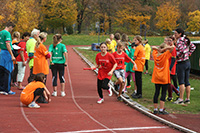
106	64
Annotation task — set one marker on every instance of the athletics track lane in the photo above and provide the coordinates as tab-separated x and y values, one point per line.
77	111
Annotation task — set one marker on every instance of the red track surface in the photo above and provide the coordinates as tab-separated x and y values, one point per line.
77	111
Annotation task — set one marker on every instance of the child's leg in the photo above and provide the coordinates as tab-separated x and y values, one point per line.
156	94
169	88
133	77
138	79
163	95
61	71
54	77
20	75
174	79
146	65
102	84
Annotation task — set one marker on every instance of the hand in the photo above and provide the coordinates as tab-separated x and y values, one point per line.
65	64
93	67
52	64
110	73
24	63
135	66
13	58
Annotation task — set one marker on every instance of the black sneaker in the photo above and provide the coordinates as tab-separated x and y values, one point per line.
169	99
163	112
119	99
155	112
136	96
187	101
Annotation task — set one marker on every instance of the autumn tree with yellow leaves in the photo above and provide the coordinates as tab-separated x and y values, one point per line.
59	13
167	16
194	21
23	13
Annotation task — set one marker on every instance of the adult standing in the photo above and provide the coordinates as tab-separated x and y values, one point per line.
30	47
139	57
40	56
58	62
21	59
6	59
184	49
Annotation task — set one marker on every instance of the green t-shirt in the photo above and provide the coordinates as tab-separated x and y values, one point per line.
5	37
129	66
57	53
30	47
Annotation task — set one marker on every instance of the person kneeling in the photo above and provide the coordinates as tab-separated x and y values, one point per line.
34	90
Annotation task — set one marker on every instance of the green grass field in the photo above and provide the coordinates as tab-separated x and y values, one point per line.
149	88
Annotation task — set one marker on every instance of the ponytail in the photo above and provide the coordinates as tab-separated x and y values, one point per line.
56	39
38	42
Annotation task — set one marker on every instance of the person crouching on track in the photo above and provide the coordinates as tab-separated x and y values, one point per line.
34	90
161	74
106	64
119	73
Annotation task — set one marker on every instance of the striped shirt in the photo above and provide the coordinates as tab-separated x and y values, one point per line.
183	50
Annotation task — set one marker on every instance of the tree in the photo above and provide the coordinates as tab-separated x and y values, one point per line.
167	15
24	18
194	23
59	13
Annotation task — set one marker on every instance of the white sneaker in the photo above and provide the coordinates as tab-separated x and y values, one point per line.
54	94
33	105
63	93
100	100
179	101
110	92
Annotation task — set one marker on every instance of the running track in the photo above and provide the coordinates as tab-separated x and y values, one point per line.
78	111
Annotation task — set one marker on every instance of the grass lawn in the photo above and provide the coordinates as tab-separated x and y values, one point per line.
149	88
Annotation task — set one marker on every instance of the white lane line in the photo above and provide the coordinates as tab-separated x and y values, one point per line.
22	110
116	129
70	83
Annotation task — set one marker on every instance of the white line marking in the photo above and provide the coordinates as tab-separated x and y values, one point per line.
22	110
70	83
116	129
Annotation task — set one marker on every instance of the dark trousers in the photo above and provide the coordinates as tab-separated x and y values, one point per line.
102	84
31	76
146	65
58	68
129	80
39	92
157	92
14	73
138	80
5	79
174	79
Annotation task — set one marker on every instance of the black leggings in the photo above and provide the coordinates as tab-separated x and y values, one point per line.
38	92
174	79
138	80
102	84
58	68
157	92
14	73
146	65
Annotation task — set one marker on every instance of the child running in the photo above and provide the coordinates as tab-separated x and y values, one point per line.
119	73
106	64
161	74
34	90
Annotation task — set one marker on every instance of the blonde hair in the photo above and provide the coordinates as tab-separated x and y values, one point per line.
139	38
35	32
56	38
108	40
16	35
42	35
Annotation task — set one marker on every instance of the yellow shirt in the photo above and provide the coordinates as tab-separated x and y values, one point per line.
147	49
111	47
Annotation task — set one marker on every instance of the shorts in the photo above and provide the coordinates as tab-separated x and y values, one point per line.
120	73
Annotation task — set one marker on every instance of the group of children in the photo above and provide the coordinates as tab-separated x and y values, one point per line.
31	50
111	62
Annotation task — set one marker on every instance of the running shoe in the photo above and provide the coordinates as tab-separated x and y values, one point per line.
163	112
54	94
11	93
110	92
100	100
155	112
187	101
62	94
178	101
129	86
33	105
119	99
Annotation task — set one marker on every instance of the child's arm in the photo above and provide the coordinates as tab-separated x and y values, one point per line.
134	64
170	48
66	58
47	94
111	71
